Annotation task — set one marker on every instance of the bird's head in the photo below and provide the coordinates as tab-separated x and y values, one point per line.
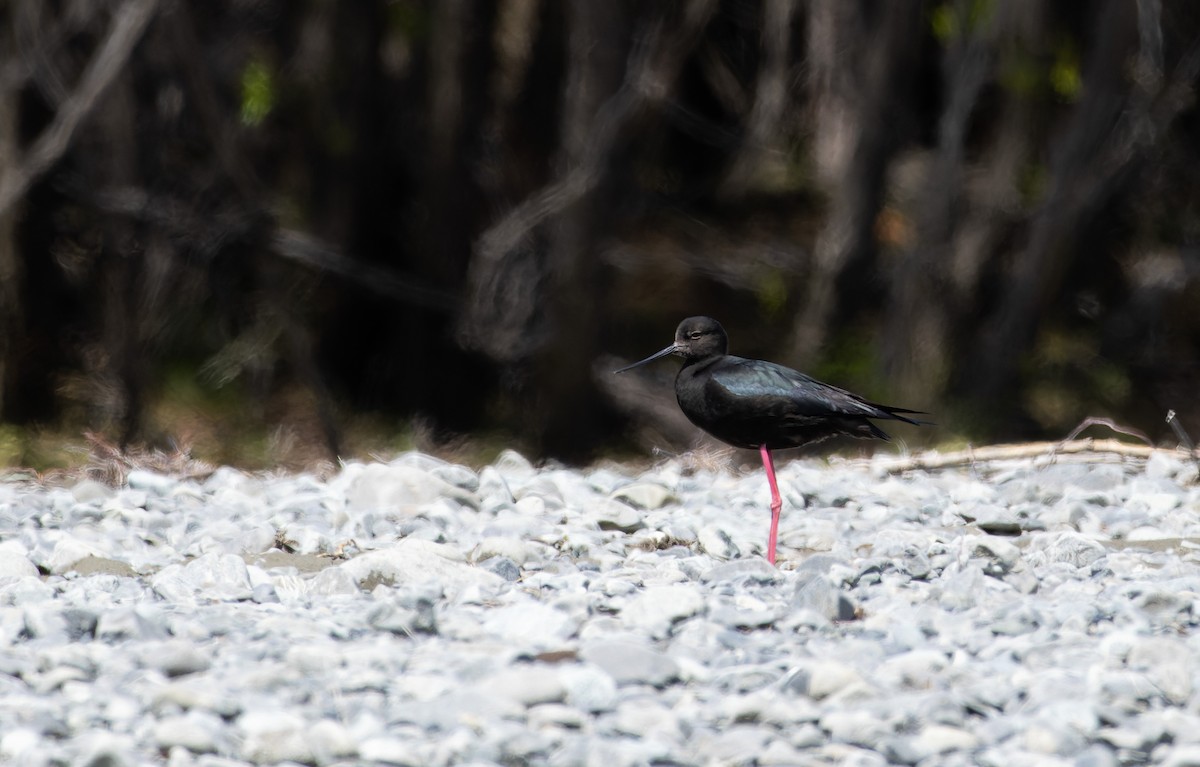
696	338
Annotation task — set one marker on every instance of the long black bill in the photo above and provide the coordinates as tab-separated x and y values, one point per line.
669	350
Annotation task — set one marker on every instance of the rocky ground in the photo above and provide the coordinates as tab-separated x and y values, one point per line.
422	613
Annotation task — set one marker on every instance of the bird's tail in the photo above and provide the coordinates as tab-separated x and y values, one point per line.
895	413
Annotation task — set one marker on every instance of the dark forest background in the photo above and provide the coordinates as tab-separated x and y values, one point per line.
273	230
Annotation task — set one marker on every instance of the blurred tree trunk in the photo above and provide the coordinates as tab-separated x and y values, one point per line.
1112	130
120	378
12	329
568	409
763	152
923	301
991	201
460	58
862	57
987	207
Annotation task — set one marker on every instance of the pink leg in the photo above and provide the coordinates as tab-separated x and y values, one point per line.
776	502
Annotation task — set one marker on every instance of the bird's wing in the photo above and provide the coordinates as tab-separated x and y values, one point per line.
802	394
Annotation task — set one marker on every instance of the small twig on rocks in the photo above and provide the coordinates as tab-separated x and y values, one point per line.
1177	427
1179	431
283	543
342	550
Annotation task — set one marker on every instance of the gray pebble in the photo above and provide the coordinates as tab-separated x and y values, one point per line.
401	488
530	623
493	489
459	476
174	657
821	680
1185	755
199	732
91	491
514	467
149	481
129	623
656	609
743	612
716	542
416	561
401	620
385	749
817	593
611	515
629	663
528	685
589	688
742	572
856	727
644	495
15	565
503	567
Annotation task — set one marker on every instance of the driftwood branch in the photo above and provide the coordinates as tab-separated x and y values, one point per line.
1096	421
129	22
1043	453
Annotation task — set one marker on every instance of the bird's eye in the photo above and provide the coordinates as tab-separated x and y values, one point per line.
695	334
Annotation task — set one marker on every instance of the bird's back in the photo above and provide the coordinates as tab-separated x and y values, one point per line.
748	403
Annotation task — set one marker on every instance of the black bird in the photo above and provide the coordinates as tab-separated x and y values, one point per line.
760	405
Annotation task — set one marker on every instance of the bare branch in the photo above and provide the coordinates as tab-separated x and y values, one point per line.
210	233
310	251
494	314
128	24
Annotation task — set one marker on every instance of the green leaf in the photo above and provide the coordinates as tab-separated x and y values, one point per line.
258	92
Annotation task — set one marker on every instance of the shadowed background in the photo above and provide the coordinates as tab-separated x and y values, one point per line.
279	230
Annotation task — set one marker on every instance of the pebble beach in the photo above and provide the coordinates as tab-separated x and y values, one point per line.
1032	611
